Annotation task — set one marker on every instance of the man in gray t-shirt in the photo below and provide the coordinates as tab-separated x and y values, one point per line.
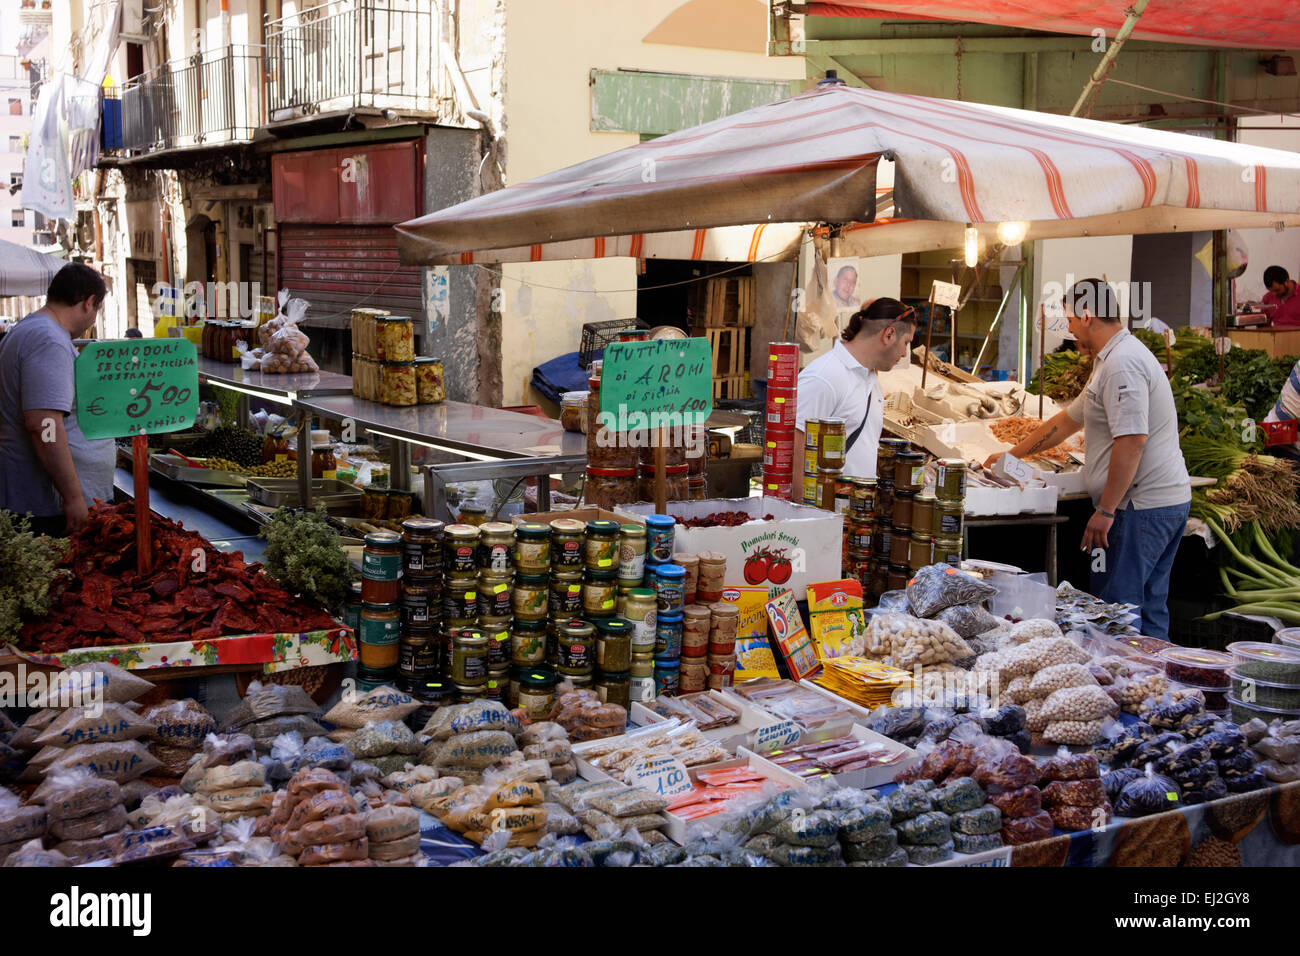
1134	467
38	425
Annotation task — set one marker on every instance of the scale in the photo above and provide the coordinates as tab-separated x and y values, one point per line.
1248	320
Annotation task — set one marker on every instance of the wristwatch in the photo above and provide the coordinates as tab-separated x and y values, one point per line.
1104	513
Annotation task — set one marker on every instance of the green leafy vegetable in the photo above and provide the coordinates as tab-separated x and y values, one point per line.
28	565
303	555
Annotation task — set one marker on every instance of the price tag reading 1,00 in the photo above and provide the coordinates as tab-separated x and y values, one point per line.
663	775
136	387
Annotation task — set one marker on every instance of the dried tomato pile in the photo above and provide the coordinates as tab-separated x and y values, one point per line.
105	602
719	519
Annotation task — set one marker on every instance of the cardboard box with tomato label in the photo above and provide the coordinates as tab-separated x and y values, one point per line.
801	545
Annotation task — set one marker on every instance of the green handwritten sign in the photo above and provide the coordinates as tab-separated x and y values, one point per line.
661	384
136	387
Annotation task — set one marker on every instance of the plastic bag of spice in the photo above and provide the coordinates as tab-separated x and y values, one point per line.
75	726
75	792
967	620
1149	793
382	703
19	823
32	854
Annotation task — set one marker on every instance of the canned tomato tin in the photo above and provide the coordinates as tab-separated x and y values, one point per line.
950	481
782	365
780	408
778	454
776	486
830	444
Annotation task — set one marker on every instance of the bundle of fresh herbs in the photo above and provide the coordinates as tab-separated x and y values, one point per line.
304	556
28	569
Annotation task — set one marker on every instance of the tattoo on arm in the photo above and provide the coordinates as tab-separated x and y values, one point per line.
1047	441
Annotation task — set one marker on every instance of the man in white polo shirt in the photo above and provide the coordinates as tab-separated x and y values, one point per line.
1134	467
843	382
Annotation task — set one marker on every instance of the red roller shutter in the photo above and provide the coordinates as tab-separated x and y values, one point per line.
337	268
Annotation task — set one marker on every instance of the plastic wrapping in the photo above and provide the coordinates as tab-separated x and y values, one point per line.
894	601
977	822
967	620
959	794
1255	780
1048	680
1169	714
1018	803
908	801
1076	732
1149	793
1079	704
926	854
928	828
121	760
1075	793
1067	766
1004	720
76	792
1027	829
939	586
1114	781
1072	817
1153	748
1005	769
1225	743
907	641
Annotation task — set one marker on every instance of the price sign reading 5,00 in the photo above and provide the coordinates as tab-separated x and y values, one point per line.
136	387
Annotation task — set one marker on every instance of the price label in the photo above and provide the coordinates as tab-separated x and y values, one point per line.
1222	345
662	775
136	387
656	384
1056	324
947	293
1171	339
781	734
1015	469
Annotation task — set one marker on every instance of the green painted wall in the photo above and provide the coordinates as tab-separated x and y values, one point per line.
628	101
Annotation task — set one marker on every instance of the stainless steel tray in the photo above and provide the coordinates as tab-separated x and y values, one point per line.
338	497
176	468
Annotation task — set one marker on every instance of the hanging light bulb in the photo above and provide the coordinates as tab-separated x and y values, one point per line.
972	246
1012	233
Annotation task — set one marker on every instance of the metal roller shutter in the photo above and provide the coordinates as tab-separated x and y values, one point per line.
338	268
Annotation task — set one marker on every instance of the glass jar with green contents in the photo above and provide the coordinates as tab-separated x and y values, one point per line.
498	636
537	692
494	598
496	540
469	657
576	648
599	594
613	645
532	549
460	544
528	643
641	611
497	682
568	540
566	593
460	602
352	612
530	597
602	545
614	689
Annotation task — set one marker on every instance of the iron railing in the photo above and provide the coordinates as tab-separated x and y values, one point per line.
203	100
344	54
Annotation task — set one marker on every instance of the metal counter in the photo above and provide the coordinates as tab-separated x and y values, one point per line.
215	513
282	389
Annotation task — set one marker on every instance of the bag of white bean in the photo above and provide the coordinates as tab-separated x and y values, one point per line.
1058	676
1079	703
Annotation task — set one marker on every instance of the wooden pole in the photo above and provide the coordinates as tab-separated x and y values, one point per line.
143	539
661	480
929	334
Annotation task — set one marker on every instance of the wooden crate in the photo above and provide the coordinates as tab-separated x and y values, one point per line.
730	350
724	302
731	387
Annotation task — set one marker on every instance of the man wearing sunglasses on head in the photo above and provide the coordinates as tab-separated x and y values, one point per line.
844	383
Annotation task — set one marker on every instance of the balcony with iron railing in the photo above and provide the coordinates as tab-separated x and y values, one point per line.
349	54
209	99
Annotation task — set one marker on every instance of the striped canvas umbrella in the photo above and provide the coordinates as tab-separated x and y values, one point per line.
25	271
813	158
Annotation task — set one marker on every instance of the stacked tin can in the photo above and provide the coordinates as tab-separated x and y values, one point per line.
949	507
779	452
666	580
420	657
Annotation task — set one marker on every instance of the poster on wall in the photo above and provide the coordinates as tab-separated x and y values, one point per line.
846	294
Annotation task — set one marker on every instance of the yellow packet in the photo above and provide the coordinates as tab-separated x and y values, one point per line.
836	618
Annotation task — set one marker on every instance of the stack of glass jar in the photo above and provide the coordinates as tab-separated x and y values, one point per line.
464	646
420	655
824	450
708	636
950	505
380	624
611	458
779	453
860	530
886	574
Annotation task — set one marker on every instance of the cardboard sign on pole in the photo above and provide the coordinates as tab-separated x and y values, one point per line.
137	387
